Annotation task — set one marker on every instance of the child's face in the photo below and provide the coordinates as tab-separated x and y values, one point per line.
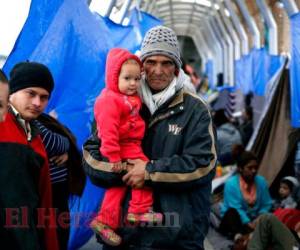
129	78
3	100
284	190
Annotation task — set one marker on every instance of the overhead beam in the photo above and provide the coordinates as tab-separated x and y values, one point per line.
239	27
232	32
290	6
109	8
250	22
270	21
124	10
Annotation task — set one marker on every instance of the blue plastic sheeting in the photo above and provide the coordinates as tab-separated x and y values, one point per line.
230	89
259	59
209	72
243	73
264	68
74	48
254	71
28	40
82	211
123	36
295	71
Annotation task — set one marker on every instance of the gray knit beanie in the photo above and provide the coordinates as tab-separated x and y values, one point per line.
161	40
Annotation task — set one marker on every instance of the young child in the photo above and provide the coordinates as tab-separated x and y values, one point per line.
3	95
121	130
287	187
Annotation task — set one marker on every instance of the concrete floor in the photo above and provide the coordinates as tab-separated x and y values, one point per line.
93	245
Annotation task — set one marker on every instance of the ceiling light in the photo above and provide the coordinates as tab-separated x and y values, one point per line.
227	12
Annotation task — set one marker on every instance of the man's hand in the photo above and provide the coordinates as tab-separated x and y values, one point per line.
252	225
136	173
117	167
59	159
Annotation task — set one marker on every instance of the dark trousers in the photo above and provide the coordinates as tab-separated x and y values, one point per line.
60	194
270	232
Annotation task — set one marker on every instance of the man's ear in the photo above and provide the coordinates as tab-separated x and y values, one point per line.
176	72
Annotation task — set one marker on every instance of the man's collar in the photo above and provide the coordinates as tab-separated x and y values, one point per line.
14	111
178	98
25	124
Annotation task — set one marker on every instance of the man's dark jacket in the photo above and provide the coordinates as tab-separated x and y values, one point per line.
180	141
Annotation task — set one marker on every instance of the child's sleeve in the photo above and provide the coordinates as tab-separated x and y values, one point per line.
108	116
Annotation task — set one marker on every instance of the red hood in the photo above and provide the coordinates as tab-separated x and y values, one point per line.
114	61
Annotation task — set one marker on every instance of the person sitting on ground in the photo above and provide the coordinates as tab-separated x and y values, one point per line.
285	208
246	196
269	233
3	95
288	186
121	130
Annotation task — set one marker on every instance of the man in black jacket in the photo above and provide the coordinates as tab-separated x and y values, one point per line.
180	141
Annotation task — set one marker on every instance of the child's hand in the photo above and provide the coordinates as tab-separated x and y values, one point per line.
117	167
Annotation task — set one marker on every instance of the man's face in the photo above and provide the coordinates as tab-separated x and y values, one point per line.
30	102
160	71
3	100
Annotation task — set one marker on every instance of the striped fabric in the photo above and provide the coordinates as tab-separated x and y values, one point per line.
55	145
230	105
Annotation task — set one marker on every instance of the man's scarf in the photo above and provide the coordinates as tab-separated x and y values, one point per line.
154	101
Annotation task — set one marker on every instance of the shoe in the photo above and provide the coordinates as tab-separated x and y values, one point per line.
149	217
133	218
106	233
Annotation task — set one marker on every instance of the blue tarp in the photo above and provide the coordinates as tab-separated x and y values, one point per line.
37	21
253	71
74	43
243	73
259	67
209	72
123	36
295	71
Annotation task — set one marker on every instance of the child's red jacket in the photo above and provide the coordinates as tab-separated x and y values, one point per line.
120	127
